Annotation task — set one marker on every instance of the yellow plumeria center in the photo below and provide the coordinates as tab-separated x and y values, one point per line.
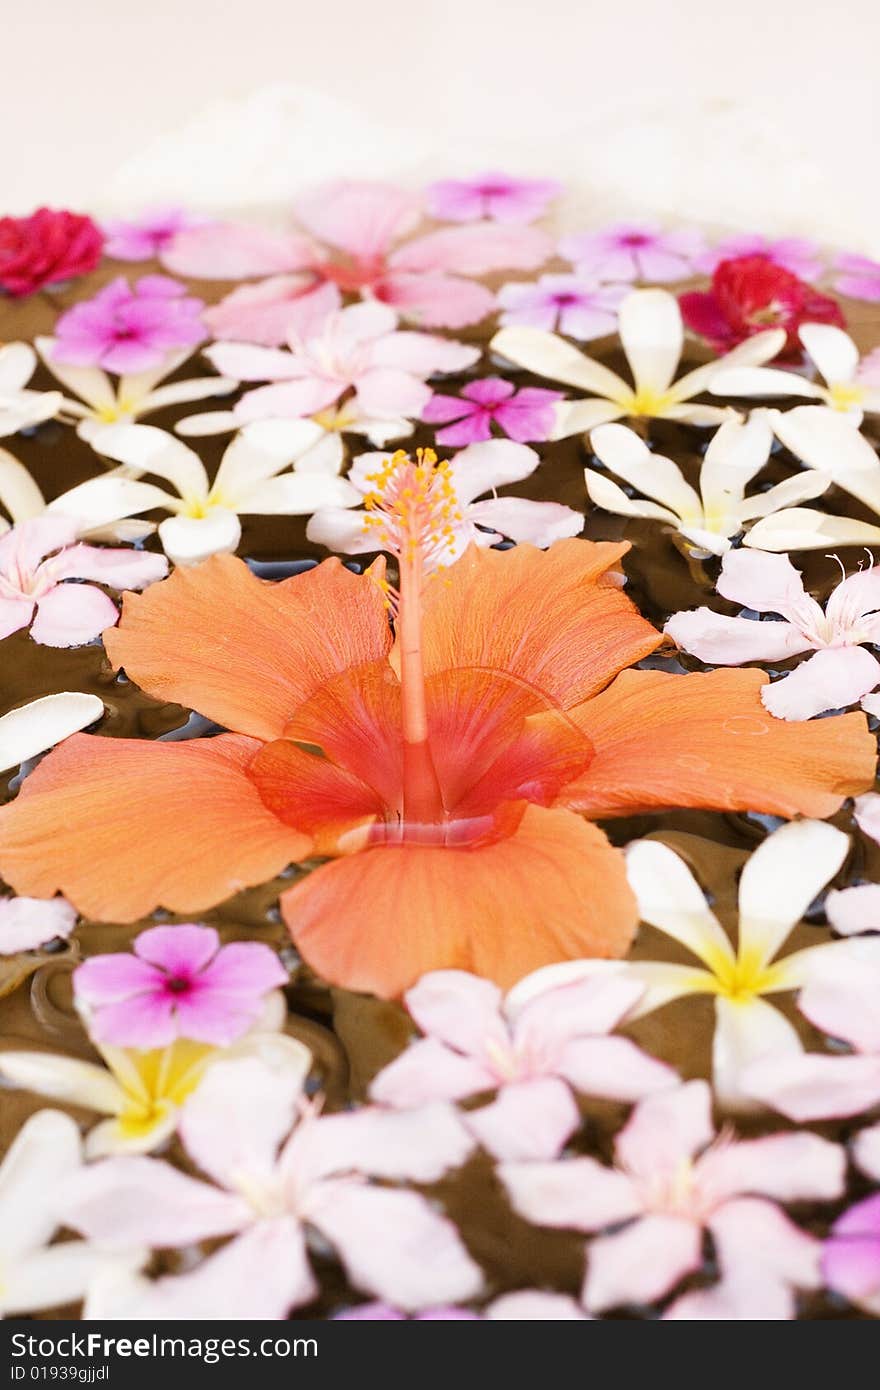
156	1082
648	402
845	395
743	978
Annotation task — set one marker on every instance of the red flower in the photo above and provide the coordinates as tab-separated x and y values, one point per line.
750	294
46	247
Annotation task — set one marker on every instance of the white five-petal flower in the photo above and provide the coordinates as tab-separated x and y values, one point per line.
850	386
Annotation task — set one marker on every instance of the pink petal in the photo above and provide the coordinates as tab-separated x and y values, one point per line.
25	545
234	1122
743	1297
789	1167
385	391
830	679
641	1263
614	1068
533	1305
143	1021
245	967
27	923
72	614
842	999
809	1086
421	354
666	1129
723	641
579	1194
289	399
525	521
475	428
437	301
755	1235
180	950
235	251
218	1019
117	568
584	1008
851	1258
126	1202
441	409
113	977
265	313
420	1145
246	362
428	1070
459	1009
854	910
768	584
395	1246
358	217
474	250
15	613
867	814
866	1151
528	1120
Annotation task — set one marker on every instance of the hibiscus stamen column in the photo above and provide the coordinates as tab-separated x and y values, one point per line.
413	507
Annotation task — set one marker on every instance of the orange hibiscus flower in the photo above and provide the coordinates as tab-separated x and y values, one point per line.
445	765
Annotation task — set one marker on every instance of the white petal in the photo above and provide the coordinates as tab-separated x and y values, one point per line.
549	356
234	1122
579	417
61	1274
746	1030
670	899
33	728
18	362
101	501
481	468
652	335
737	451
607	494
187	540
208	423
802	528
664	982
19	493
781	879
832	350
150	450
621	450
824	439
42	1156
800	487
89	383
63	1078
762	381
197	388
299	494
752	353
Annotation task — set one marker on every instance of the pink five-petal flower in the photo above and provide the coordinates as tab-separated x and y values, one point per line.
532	1054
670	1184
478	469
179	983
144	237
841	671
28	923
353	242
270	1188
639	252
841	1001
796	254
498	197
858	277
67	615
125	329
522	415
565	304
851	1257
358	349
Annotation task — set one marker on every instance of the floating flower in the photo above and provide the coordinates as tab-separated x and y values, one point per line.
840	1001
635	251
526	1305
478	469
142	1091
850	386
269	1191
652	336
31	729
96	400
145	237
673	1179
21	409
28	923
858	277
100	506
497	197
45	248
35	1176
521	415
250	480
711	518
353	231
851	911
750	294
533	1056
797	255
778	883
839	673
429	763
178	983
125	329
851	1256
358	350
567	304
37	557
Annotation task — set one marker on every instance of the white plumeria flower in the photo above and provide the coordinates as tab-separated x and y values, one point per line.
31	729
708	519
97	400
777	885
652	336
102	507
21	409
328	452
851	386
34	1177
475	470
141	1091
250	480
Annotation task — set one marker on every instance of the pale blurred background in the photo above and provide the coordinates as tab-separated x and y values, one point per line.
762	114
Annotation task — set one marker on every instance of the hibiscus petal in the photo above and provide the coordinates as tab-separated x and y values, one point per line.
477	249
551	909
359	217
831	679
235	251
289	638
529	1120
437	301
641	1263
706	740
100	801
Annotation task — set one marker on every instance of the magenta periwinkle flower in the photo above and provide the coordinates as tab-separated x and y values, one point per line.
144	237
179	982
633	251
522	415
563	304
496	197
129	329
851	1256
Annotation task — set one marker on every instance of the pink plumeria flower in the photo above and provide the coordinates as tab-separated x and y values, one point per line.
638	251
797	254
858	277
26	924
478	469
145	237
533	1048
566	304
852	911
498	197
841	1002
354	235
526	1305
178	983
32	728
271	1193
522	415
851	386
670	1183
839	673
37	557
335	351
851	1256
125	329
